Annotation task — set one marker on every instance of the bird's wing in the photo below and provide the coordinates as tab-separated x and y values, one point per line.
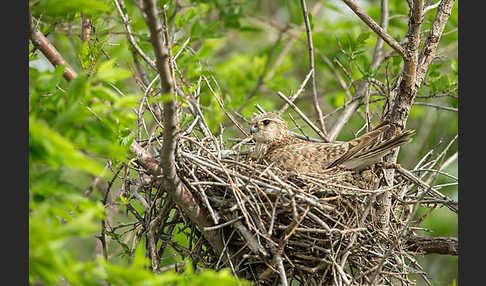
361	144
376	152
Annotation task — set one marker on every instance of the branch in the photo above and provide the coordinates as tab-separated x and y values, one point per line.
43	44
301	114
181	195
131	39
85	28
430	46
410	61
183	198
376	28
312	66
452	205
402	99
437	245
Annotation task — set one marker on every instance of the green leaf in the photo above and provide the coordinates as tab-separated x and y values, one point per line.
60	7
311	22
129	100
49	147
83	55
78	87
107	72
105	93
47	81
362	38
181	20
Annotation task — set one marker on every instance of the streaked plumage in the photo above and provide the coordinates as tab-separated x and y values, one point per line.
275	145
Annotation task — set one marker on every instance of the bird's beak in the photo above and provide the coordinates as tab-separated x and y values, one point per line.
253	129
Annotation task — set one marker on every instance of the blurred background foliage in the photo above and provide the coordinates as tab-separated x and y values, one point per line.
247	51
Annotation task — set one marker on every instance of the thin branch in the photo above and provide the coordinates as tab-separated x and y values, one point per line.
299	91
448	108
131	39
376	28
431	43
312	66
42	43
363	86
301	114
434	245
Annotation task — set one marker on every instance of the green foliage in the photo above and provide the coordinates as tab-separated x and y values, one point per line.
74	127
60	7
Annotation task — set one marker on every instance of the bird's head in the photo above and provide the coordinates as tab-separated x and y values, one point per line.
267	127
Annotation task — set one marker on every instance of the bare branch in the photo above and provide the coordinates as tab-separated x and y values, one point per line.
181	195
431	43
301	114
350	108
299	91
42	43
376	28
131	39
312	66
410	61
431	245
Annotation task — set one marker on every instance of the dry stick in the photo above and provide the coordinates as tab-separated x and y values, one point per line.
438	245
221	105
311	63
54	57
303	116
281	269
436	106
299	91
202	162
452	205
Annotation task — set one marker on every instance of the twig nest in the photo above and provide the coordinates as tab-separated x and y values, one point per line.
319	227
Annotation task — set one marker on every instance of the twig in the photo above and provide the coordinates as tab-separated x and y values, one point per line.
350	108
303	116
375	27
182	197
131	39
299	91
312	66
448	108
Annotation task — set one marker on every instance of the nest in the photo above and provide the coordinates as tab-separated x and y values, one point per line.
277	226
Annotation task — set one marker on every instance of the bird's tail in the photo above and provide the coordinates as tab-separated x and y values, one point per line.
367	149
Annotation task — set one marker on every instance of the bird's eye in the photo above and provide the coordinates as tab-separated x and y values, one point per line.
266	122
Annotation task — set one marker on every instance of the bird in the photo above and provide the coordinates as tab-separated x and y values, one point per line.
275	145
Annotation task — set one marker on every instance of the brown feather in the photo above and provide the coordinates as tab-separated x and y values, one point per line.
275	145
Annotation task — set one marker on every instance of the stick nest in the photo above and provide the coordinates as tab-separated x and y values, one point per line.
320	229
